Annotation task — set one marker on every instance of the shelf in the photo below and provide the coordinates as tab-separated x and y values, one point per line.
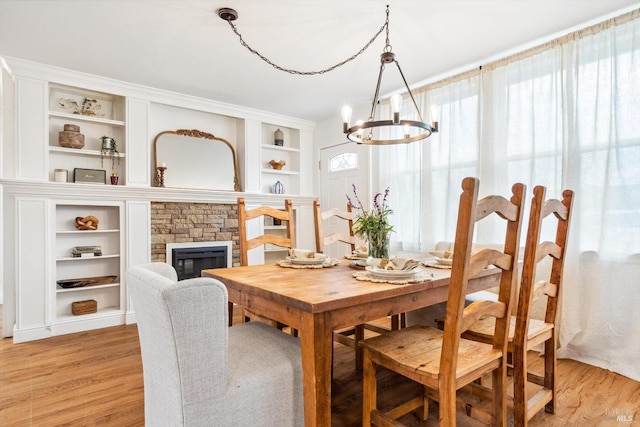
290	152
87	288
104	114
82	317
275	250
109	297
79	151
86	119
87	258
280	148
280	172
87	231
275	227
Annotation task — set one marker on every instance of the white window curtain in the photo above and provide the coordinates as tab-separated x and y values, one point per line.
601	320
425	177
564	115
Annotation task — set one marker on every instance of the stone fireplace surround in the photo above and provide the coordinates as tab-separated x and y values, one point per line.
178	222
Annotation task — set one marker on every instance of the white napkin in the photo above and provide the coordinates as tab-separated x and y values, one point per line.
442	254
305	253
361	251
395	263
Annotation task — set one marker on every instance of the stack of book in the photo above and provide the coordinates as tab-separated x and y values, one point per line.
86	251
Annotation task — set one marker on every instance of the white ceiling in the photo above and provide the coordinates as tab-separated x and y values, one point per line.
183	46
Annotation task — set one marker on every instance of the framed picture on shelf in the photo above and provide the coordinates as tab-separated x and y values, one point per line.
89	176
84	104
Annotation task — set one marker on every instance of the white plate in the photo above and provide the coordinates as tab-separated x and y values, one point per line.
391	274
434	264
444	261
308	261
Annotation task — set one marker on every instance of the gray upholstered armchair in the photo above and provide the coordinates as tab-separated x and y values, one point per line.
200	372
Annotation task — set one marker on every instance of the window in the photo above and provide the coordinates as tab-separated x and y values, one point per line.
343	162
564	115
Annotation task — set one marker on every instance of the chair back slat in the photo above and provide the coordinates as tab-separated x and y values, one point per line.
496	204
548	248
543	288
320	216
244	215
488	257
349	216
481	309
556	207
268	239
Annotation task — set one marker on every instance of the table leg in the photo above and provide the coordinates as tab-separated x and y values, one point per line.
316	341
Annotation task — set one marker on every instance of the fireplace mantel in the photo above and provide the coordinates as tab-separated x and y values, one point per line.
152	194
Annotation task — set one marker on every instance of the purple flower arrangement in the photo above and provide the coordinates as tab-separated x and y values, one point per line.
373	225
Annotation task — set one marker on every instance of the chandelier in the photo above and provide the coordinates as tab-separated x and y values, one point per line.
398	131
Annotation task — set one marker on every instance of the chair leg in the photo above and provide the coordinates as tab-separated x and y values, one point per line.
358	336
398	321
369	387
499	398
423	413
230	308
550	371
447	403
520	395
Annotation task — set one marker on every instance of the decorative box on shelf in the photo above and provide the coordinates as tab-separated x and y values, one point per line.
86	251
84	307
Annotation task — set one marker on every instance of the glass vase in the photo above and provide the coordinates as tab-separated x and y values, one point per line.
378	244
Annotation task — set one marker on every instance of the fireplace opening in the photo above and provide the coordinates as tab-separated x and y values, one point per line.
190	261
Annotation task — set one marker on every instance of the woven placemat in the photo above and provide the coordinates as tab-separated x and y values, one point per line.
329	263
355	257
368	277
434	264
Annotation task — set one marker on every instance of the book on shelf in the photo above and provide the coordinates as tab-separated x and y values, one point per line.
86	251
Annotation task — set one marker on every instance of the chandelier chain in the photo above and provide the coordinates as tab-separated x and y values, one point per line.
311	73
387	47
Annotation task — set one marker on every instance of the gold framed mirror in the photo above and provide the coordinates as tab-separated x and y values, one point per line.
189	158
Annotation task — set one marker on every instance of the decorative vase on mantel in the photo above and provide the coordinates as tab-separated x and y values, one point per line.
378	242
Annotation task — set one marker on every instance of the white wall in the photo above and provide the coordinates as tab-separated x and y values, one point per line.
27	309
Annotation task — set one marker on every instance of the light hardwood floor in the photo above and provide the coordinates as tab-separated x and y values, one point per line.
95	379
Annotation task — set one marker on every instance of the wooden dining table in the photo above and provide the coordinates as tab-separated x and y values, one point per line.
317	301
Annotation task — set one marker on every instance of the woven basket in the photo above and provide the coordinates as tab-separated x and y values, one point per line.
84	307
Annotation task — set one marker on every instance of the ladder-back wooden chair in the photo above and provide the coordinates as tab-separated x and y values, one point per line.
526	333
320	216
442	361
349	337
247	244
